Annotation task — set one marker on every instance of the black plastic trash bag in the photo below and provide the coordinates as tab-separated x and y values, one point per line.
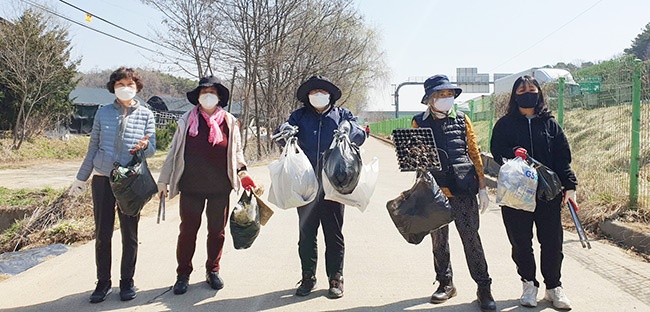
549	185
343	164
133	185
420	210
245	221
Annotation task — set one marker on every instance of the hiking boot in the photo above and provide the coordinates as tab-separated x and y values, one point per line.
307	284
336	287
180	287
558	297
127	290
102	290
214	280
445	291
485	299
529	296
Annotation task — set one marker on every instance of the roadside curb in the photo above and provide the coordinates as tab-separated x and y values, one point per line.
619	233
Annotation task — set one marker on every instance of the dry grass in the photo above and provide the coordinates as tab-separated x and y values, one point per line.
41	148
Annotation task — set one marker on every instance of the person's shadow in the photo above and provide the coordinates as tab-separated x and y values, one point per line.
196	299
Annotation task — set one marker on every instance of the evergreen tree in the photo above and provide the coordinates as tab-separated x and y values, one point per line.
641	45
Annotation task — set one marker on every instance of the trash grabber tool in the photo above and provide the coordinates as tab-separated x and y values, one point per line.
161	208
573	208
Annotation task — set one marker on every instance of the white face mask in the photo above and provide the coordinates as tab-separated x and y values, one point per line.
443	104
319	100
125	93
208	100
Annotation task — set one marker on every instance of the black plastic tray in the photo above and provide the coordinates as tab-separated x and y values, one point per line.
416	149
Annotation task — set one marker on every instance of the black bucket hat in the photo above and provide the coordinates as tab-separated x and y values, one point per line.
318	82
211	81
437	83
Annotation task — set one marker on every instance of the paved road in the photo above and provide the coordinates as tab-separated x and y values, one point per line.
382	271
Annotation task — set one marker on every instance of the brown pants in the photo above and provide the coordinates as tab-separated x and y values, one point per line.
191	211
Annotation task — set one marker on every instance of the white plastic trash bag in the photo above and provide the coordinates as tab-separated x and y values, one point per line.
360	196
293	181
516	185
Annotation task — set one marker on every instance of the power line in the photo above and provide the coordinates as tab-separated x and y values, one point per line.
544	38
93	29
113	24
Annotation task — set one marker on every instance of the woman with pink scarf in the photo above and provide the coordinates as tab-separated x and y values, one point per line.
204	164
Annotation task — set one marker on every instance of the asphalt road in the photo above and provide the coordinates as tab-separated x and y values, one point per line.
382	271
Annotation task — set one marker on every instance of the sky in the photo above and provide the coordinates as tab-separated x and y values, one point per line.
419	38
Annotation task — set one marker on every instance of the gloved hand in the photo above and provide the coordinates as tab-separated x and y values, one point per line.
345	126
288	130
162	189
483	200
78	187
568	194
521	152
246	181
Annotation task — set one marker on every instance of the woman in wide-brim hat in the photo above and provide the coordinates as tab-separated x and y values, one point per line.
204	164
222	92
318	83
454	134
316	122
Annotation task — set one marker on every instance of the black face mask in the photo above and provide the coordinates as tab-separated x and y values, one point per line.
527	100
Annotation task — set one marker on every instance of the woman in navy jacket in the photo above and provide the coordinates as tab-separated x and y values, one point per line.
528	124
316	122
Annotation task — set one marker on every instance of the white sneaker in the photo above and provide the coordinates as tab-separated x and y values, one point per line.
558	297
529	296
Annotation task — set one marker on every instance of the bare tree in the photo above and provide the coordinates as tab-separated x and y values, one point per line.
193	30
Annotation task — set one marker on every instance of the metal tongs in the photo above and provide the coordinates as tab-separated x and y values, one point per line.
161	208
573	208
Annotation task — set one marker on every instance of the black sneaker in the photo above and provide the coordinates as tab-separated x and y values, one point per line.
214	280
102	290
182	281
127	290
307	284
336	287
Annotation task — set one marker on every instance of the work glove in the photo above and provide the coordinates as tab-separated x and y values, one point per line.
483	200
345	126
568	194
162	189
246	181
78	187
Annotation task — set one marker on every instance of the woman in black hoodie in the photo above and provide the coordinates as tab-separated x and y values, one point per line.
529	124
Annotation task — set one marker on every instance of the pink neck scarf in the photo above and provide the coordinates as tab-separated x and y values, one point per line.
214	120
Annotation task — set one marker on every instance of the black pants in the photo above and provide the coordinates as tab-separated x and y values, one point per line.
466	217
330	215
191	212
104	211
519	226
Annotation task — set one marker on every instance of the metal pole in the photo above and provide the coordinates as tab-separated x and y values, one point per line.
560	102
471	109
636	128
492	104
396	95
232	85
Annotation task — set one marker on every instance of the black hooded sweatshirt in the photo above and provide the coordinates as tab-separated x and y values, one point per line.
541	136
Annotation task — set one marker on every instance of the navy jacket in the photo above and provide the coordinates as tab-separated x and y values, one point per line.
316	131
541	136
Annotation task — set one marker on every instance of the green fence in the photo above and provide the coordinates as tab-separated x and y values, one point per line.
607	121
386	127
